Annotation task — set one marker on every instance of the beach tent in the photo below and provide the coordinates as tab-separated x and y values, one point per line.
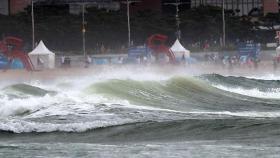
42	57
178	50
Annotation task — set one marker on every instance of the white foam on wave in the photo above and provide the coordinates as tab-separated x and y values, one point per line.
70	100
18	106
272	94
75	107
139	73
25	126
264	77
250	114
22	126
62	103
110	73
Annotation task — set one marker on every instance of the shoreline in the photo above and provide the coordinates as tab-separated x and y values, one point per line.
264	68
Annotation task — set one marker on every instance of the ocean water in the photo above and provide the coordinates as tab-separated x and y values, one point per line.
141	113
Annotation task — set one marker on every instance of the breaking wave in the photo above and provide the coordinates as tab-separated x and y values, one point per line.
128	109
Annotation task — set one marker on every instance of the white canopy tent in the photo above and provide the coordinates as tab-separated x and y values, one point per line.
42	58
178	50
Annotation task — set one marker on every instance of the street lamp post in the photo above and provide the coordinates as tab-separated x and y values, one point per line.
128	21
33	26
178	20
128	2
177	4
84	31
224	24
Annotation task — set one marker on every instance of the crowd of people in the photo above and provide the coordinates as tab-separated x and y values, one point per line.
231	61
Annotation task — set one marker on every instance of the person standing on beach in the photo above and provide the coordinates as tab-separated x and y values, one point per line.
88	61
183	59
62	61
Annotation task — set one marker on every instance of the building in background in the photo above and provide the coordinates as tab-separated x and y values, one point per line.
270	6
239	7
4	7
17	6
8	7
76	8
140	5
242	7
169	6
146	5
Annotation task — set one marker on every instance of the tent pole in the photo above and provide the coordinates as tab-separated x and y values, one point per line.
84	32
33	32
224	24
128	22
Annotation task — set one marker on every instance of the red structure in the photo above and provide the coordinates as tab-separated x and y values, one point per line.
17	6
270	6
157	44
11	47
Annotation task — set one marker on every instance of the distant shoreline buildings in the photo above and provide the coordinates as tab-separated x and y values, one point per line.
242	7
10	7
239	7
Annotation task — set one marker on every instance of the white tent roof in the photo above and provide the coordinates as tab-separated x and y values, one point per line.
41	49
177	47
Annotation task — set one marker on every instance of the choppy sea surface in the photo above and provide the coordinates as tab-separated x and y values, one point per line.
141	114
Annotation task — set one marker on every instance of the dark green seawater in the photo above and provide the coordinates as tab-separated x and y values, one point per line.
176	116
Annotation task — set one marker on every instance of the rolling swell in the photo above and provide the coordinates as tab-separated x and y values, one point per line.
202	112
181	94
25	89
192	129
247	83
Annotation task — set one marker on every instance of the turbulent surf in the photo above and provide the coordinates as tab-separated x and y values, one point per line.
203	112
